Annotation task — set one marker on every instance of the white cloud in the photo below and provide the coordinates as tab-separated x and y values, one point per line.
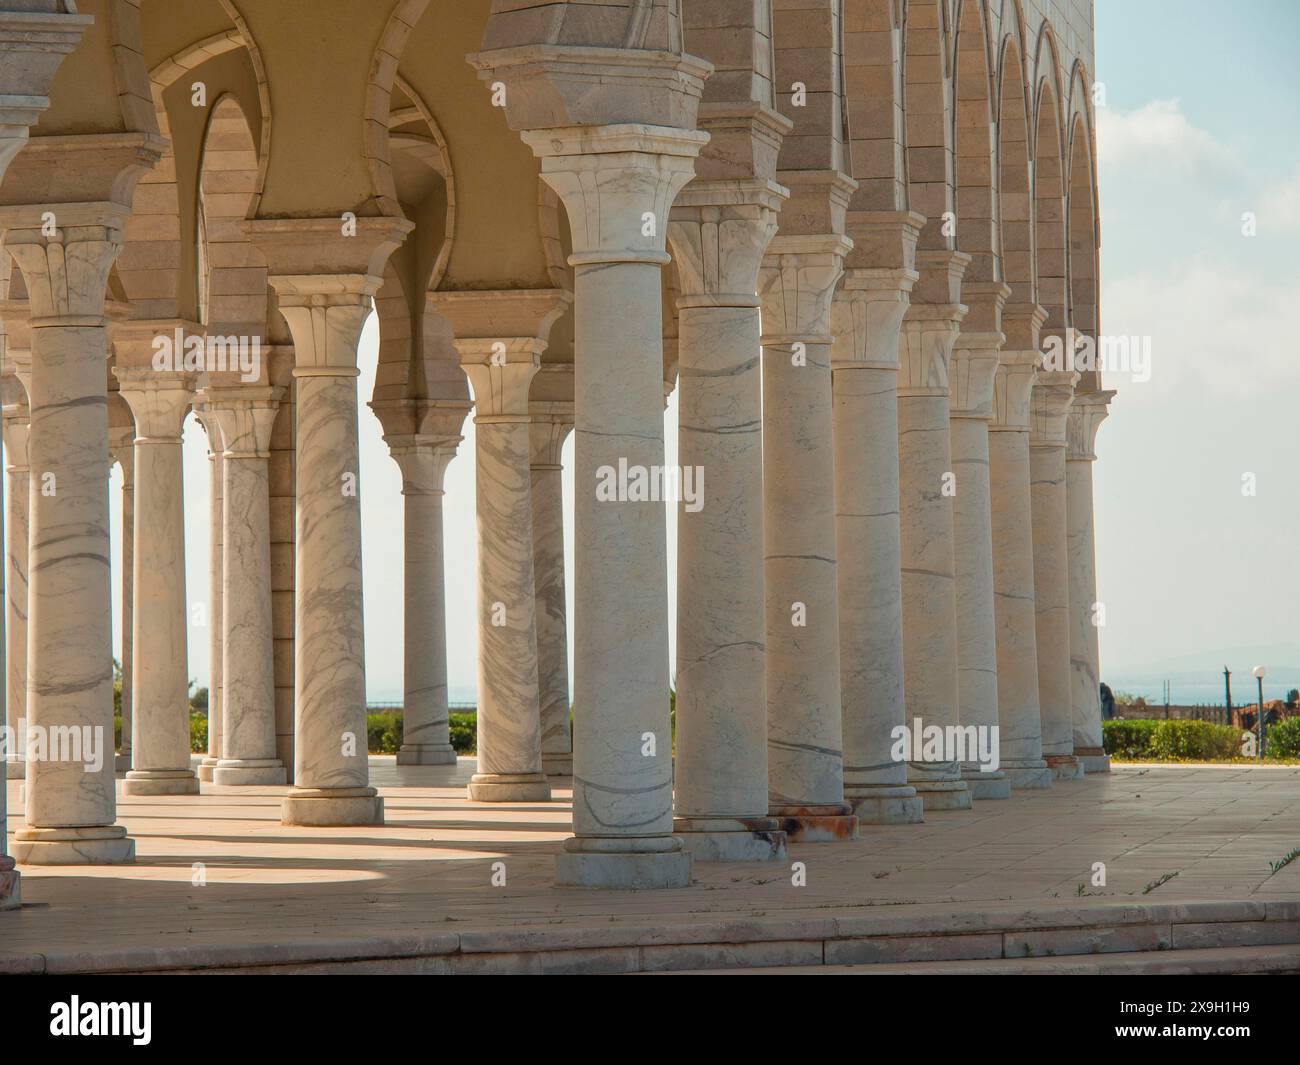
1280	205
1158	133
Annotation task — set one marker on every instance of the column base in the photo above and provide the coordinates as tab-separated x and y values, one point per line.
206	768
887	804
15	770
160	782
994	785
509	787
11	895
1064	766
426	754
95	845
557	765
944	794
662	864
1028	776
816	823
122	763
731	839
1094	759
235	772
324	807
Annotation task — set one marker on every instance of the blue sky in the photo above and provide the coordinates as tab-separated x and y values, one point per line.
1201	123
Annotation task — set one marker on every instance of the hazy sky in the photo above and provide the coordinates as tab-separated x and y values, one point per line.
1199	126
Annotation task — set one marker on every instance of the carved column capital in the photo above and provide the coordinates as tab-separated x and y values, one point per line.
1049	406
1087	411
720	231
976	353
867	317
797	285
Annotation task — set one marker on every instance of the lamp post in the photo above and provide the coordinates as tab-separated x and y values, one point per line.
1259	678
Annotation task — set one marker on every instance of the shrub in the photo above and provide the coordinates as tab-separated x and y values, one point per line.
199	732
1283	739
384	732
1170	741
1130	740
464	733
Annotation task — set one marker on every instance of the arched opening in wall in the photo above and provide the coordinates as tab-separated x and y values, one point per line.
973	146
874	102
1082	222
1015	199
927	99
1049	207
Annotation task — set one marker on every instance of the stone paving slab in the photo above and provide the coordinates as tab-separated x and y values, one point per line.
420	887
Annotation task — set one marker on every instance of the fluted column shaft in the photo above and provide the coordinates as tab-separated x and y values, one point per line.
930	329
611	178
1050	402
71	802
1086	415
547	432
974	368
719	233
867	317
17	426
805	745
248	743
160	717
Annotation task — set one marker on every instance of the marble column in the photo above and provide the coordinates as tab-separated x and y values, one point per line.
1013	550
422	437
500	337
248	756
552	421
805	746
215	619
121	450
17	428
974	367
1087	412
71	802
1049	408
34	45
866	318
618	183
160	712
930	329
719	232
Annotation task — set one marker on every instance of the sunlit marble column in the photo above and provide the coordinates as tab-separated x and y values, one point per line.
805	744
17	428
719	232
34	44
930	329
121	450
551	424
245	415
215	615
1087	412
1013	550
1049	408
71	802
422	437
500	337
866	320
160	712
612	179
974	367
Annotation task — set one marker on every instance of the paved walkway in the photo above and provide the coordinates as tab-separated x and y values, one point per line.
220	869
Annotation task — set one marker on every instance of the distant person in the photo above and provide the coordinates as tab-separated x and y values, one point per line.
1107	702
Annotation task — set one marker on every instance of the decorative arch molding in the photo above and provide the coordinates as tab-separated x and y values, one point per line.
1014	177
379	92
1050	244
1047	65
421	110
974	138
263	98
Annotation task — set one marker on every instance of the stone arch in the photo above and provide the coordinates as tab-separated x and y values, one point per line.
1049	200
1082	219
437	156
874	102
927	103
1015	192
232	274
249	43
379	88
974	143
396	347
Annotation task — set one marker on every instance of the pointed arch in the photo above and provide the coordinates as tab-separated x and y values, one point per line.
873	92
1015	193
1082	226
1049	205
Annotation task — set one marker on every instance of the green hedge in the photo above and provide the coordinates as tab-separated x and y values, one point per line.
1171	741
1283	739
384	732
